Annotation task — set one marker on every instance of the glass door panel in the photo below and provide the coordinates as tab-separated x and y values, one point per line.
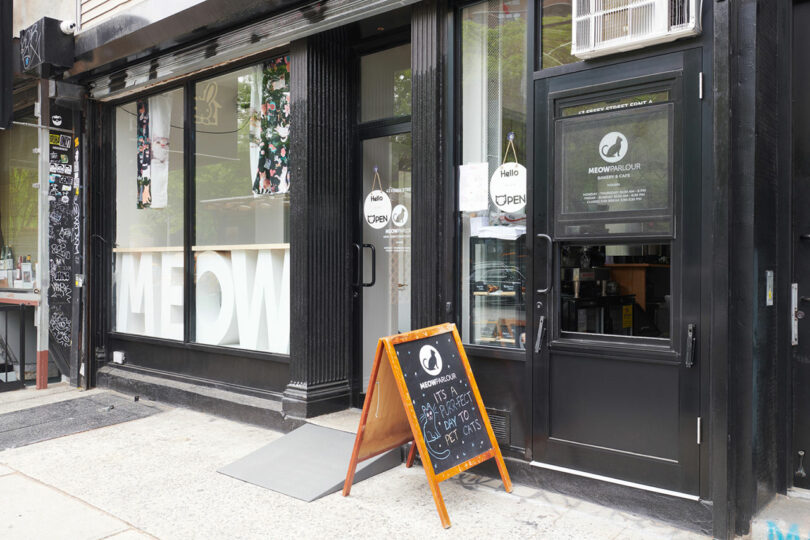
386	250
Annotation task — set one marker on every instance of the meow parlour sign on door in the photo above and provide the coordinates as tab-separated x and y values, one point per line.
422	389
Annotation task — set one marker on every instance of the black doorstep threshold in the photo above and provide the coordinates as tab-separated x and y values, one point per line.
249	409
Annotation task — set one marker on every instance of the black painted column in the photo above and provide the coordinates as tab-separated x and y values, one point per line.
432	257
321	220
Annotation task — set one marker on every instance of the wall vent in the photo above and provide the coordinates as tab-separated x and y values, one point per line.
501	425
610	26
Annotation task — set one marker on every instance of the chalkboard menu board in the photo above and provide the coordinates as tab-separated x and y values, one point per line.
440	390
422	390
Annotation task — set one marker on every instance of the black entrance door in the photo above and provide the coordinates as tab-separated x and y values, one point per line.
617	225
801	268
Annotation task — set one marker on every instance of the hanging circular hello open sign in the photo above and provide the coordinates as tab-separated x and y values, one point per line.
377	208
507	186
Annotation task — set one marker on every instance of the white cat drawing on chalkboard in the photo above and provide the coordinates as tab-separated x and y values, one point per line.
430	363
431	432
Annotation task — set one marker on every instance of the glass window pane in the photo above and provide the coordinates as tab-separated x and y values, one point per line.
385	84
19	171
614	172
242	183
148	247
494	78
556	34
387	304
616	289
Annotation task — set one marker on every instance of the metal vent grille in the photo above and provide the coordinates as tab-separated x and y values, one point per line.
501	424
608	26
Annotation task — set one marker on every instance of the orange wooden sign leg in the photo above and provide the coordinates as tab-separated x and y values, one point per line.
439	500
411	456
507	482
347	485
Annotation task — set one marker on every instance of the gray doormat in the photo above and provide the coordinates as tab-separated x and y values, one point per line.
37	424
308	463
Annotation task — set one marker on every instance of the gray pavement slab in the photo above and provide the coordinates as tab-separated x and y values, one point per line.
33	510
36	424
158	474
785	517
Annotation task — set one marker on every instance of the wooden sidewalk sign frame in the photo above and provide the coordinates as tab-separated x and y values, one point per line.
391	432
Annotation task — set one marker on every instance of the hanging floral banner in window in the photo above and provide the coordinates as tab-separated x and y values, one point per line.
154	126
144	155
270	127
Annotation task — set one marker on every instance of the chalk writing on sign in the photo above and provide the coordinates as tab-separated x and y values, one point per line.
442	396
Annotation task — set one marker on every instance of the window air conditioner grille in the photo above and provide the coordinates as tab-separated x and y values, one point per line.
609	26
678	13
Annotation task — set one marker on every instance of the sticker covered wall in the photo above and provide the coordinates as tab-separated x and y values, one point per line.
64	245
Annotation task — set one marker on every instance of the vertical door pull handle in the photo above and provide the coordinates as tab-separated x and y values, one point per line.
549	256
373	265
541	329
690	345
357	279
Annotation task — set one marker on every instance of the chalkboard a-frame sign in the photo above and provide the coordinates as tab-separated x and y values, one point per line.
422	390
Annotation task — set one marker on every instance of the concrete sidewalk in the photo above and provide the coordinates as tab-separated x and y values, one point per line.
156	478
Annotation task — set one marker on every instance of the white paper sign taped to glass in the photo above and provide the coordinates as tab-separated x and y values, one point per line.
472	187
614	172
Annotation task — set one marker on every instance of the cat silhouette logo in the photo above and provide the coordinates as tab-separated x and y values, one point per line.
400	215
431	360
613	147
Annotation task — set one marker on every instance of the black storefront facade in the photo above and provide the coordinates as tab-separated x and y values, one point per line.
629	320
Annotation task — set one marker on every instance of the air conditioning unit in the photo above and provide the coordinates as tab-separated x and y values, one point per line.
610	26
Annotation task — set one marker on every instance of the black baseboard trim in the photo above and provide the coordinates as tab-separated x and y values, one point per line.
316	400
235	406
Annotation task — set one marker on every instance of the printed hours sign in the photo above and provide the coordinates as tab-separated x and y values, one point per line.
617	161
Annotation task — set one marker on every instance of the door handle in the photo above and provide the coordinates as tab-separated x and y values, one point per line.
358	269
794	314
691	331
373	265
541	329
549	255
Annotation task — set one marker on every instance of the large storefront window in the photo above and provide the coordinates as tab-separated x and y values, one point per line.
492	198
240	228
18	208
242	206
148	247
